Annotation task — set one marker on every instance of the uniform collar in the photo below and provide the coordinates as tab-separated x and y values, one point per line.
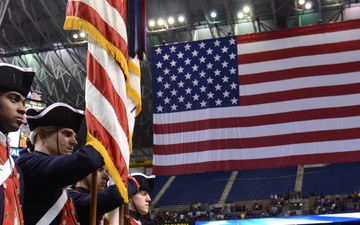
82	190
3	138
134	215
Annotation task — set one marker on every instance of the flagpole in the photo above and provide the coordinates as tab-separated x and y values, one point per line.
121	214
93	201
126	214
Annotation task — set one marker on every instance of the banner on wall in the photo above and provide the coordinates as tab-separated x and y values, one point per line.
263	100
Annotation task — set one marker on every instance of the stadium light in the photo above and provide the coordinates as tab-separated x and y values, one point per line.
77	37
152	23
171	20
181	19
246	9
160	22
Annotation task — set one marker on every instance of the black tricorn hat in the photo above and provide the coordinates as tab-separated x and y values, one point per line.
58	114
146	182
15	78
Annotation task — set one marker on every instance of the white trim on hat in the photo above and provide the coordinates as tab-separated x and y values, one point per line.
143	175
50	107
29	69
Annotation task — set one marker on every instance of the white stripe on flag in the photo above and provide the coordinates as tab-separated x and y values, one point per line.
299	41
257	110
298	62
258	153
303	82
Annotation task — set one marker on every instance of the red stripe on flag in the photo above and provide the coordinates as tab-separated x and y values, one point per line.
300	94
258	163
295	32
299	51
322	70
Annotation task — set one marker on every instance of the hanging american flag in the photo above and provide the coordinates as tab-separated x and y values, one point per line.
112	92
273	99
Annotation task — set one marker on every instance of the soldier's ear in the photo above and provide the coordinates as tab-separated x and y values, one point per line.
41	135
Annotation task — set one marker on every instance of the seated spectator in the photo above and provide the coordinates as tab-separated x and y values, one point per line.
237	207
231	207
249	211
243	208
256	206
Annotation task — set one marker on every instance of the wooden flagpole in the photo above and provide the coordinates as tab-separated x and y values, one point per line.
93	202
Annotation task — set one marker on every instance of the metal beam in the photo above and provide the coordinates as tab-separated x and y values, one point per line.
273	11
229	19
4	5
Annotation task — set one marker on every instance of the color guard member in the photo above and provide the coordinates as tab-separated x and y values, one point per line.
52	166
15	84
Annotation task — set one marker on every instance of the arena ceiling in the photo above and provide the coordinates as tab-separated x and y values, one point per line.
32	34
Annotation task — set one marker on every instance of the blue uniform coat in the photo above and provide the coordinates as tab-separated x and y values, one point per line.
107	200
45	176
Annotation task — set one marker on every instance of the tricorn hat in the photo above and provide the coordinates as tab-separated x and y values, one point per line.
15	78
58	114
146	182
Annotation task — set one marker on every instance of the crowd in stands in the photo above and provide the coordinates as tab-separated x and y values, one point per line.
329	205
200	212
272	207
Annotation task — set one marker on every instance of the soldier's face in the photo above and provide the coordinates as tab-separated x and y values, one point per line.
12	111
60	140
141	201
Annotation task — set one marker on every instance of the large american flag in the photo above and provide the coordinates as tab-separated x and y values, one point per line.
112	92
272	99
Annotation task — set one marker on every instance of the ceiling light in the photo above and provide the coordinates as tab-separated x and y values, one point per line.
152	23
160	22
301	2
77	37
246	9
181	19
308	5
213	14
171	20
82	34
240	15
